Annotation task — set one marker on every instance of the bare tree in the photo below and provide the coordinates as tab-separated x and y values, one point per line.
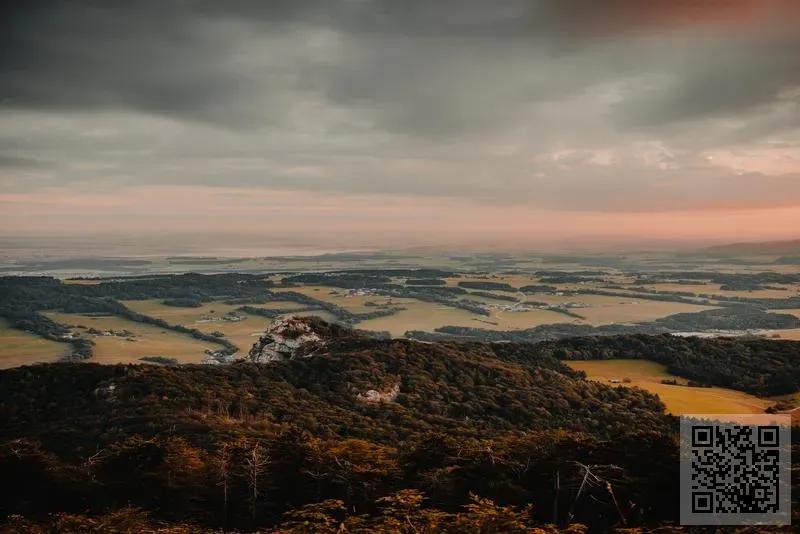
256	461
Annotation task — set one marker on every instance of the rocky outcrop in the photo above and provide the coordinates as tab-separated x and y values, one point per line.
285	339
373	396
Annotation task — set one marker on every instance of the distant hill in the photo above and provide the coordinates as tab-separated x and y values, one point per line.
766	247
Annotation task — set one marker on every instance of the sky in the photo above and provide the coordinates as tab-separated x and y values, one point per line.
386	123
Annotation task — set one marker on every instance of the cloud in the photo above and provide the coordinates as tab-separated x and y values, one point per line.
431	69
589	105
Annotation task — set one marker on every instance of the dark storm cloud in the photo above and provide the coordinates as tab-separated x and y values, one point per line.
156	57
418	67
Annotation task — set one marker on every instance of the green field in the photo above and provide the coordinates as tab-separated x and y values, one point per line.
149	340
678	399
21	348
207	318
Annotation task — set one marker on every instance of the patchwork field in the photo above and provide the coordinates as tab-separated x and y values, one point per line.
429	316
149	340
355	304
421	316
609	310
207	318
21	348
678	399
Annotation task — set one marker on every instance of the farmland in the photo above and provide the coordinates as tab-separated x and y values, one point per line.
207	318
21	348
147	340
677	398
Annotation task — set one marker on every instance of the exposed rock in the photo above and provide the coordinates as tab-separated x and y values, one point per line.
286	338
375	396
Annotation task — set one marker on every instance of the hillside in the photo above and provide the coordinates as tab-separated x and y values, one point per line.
362	432
491	420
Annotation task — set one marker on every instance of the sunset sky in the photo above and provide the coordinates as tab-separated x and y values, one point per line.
392	123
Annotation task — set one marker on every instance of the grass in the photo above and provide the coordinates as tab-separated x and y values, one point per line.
21	348
355	304
241	333
793	334
678	399
150	340
421	316
610	310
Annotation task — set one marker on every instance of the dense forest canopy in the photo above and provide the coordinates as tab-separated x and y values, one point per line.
470	419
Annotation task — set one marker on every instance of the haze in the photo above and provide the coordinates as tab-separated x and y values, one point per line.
386	123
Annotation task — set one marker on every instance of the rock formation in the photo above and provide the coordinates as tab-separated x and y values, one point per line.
286	338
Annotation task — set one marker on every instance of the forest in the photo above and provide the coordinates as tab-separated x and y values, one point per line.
473	442
475	427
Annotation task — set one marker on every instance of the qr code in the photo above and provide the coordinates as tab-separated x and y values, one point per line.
735	469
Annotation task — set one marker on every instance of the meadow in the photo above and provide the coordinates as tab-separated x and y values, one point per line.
149	340
677	398
207	318
21	348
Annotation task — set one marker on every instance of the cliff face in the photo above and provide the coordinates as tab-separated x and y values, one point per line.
286	338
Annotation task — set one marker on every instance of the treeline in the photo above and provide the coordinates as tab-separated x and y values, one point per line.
528	335
46	293
765	277
759	366
425	282
182	302
42	326
688	297
341	280
584	273
487	286
538	288
736	318
729	318
369	278
569	279
494	296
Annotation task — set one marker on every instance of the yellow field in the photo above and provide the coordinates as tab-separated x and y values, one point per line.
82	282
793	334
420	316
150	340
427	316
678	399
353	304
609	310
278	305
21	348
680	288
176	315
241	333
